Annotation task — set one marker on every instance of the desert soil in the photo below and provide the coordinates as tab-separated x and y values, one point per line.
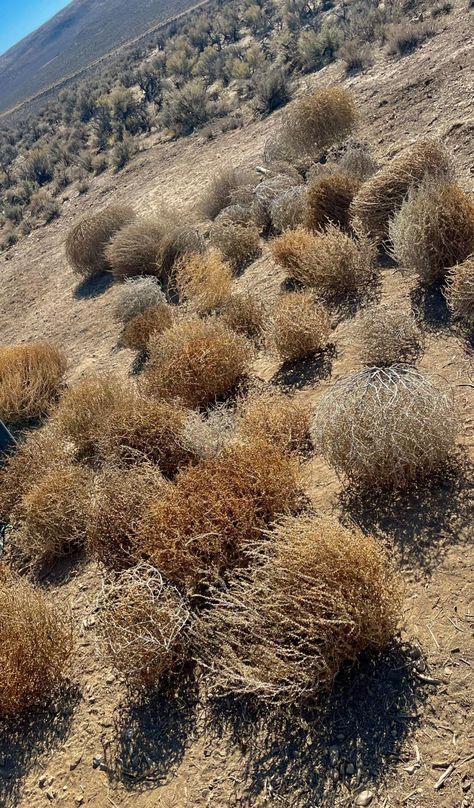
394	723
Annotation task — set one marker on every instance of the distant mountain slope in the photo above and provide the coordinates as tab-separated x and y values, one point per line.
75	37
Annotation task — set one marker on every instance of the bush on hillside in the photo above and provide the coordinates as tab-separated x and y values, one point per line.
318	596
300	325
221	191
31	376
287	210
460	291
387	335
136	332
135	250
137	295
203	281
272	415
328	200
187	108
272	90
239	244
404	37
87	240
245	313
385	428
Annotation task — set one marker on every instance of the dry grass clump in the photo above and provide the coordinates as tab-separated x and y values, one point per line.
41	452
288	209
135	250
384	193
238	214
265	195
141	624
87	240
31	376
300	325
196	529
328	200
239	243
386	335
331	262
203	281
223	190
52	514
137	332
246	314
86	407
140	429
273	415
196	361
136	296
385	427
433	230
207	434
118	500
35	649
318	596
315	122
460	291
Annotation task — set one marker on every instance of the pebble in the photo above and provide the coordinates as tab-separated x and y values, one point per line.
350	769
364	798
75	763
50	794
333	756
79	799
97	761
42	781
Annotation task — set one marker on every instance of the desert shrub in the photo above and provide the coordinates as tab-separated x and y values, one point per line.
245	313
196	529
43	207
122	153
119	497
135	250
178	240
141	623
207	434
265	195
433	230
239	244
31	376
287	210
196	361
86	407
87	240
383	194
386	335
355	55
235	214
300	325
315	122
221	190
356	160
186	109
98	164
137	295
203	281
136	332
439	9
404	37
272	90
328	200
35	649
52	514
273	415
317	48
385	427
141	429
460	291
38	167
331	262
319	595
40	452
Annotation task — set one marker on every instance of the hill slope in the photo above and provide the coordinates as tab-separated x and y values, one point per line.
72	39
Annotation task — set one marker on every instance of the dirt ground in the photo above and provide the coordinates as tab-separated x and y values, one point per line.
394	723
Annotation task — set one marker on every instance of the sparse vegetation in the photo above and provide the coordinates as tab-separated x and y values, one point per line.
406	36
460	291
245	313
136	332
31	376
203	281
239	243
273	415
223	189
328	200
87	240
299	326
387	335
136	296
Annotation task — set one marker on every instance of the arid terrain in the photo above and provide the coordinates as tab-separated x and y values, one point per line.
394	723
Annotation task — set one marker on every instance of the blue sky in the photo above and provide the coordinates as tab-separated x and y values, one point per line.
20	17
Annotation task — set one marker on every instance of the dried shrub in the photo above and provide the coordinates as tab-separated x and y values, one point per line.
52	514
318	596
39	453
239	243
273	415
197	528
300	325
141	624
383	195
386	335
223	188
272	90
265	195
331	262
35	649
119	497
137	332
356	56
433	230
385	427
328	200
355	159
135	250
31	376
207	434
178	240
235	214
196	361
404	37
136	296
315	122
203	281
246	314
140	429
87	240
287	211
460	291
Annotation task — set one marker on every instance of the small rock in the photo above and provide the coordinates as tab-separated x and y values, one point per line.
79	800
364	798
350	769
335	775
97	761
42	781
466	785
334	756
75	763
50	794
110	679
420	666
